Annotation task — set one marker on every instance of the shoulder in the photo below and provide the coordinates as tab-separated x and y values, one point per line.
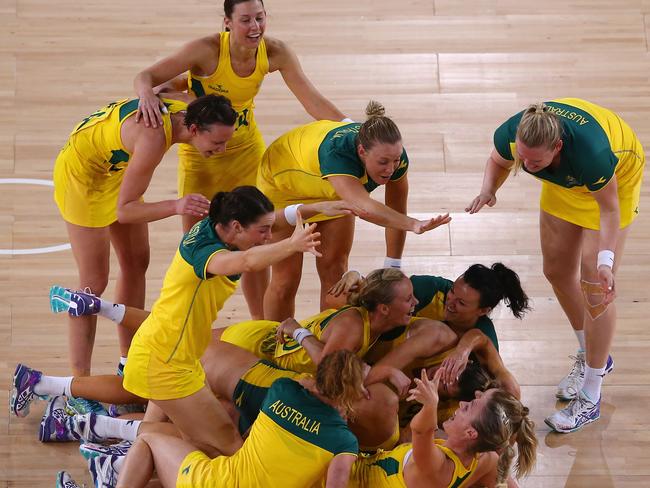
275	47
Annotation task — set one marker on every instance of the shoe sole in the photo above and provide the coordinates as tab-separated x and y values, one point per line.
97	450
23	412
59	299
559	396
568	431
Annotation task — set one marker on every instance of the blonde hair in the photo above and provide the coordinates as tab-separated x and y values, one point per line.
377	128
339	377
505	419
378	287
538	127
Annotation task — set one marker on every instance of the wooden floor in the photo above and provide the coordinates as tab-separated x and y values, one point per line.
448	71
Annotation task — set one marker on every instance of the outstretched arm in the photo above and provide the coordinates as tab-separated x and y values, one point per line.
312	100
497	170
351	190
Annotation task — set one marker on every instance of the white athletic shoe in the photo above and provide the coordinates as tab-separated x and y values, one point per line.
572	383
580	412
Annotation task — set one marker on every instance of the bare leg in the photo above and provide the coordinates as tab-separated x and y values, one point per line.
599	332
336	243
163	452
91	250
105	388
280	296
254	285
133	318
131	243
208	425
561	249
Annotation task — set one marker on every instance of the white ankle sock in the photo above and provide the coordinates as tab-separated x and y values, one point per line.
112	311
54	385
593	382
580	334
118	428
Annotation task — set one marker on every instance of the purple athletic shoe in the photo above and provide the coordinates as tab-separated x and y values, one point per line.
75	302
53	425
22	393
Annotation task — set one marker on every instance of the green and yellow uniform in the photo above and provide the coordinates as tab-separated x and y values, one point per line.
295	167
239	164
597	144
252	388
258	337
89	169
386	469
291	444
431	293
164	354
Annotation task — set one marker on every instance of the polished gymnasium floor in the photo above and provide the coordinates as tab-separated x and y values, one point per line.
448	72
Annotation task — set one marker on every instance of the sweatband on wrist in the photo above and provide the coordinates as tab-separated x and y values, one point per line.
300	334
348	120
605	258
290	213
392	263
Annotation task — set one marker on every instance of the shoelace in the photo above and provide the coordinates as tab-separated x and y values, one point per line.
577	370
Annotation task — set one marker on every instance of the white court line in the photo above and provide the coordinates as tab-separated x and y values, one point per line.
34	250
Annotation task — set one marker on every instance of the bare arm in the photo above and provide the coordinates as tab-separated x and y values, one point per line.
345	332
192	56
610	220
396	197
303	239
312	100
428	338
148	150
429	460
497	170
351	190
475	341
338	472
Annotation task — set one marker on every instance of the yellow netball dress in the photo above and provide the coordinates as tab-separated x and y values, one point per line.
597	144
295	167
164	354
252	387
386	469
258	337
89	169
239	164
290	444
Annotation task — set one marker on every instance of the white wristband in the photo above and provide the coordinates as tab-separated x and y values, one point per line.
348	120
605	258
290	213
300	334
392	263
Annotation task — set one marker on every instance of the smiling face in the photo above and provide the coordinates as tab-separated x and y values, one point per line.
462	305
255	234
381	160
535	159
247	23
211	140
400	310
460	425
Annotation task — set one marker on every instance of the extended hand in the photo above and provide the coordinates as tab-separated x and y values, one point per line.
422	226
489	199
193	204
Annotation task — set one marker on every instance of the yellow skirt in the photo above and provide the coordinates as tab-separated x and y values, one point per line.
578	206
237	166
84	197
198	471
148	376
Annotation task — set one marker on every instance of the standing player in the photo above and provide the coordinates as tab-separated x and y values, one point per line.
232	63
591	166
101	174
337	160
